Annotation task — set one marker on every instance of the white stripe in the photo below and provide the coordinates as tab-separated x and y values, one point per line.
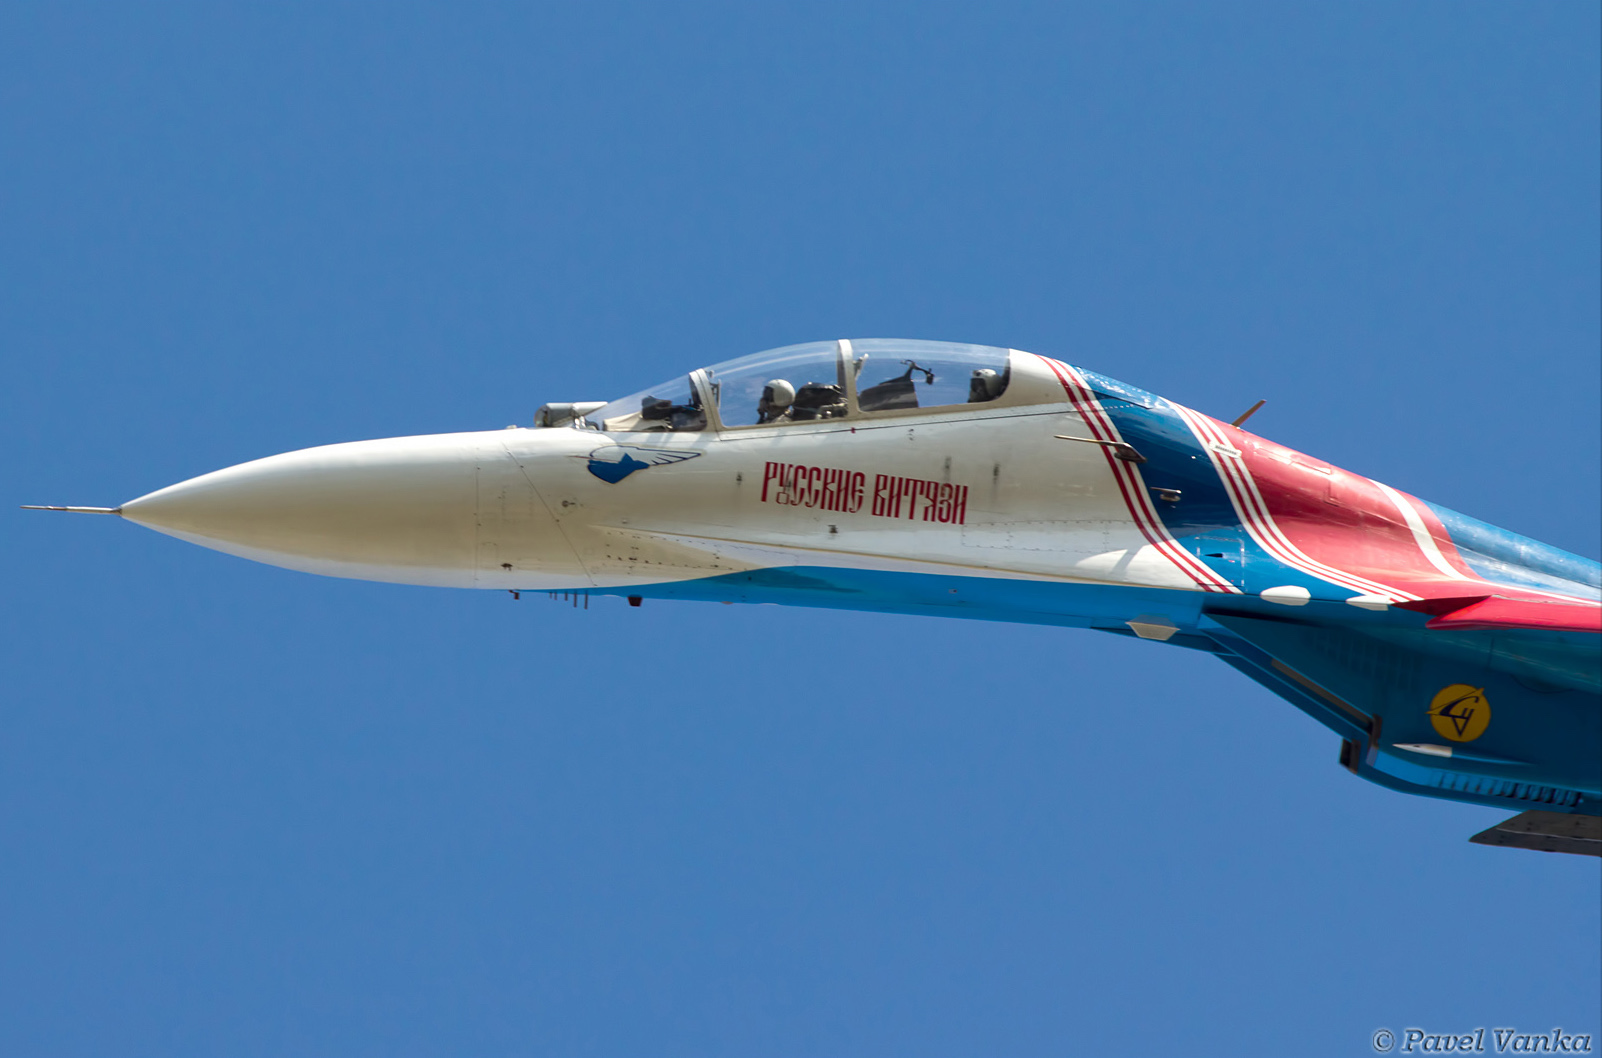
1140	498
1137	499
1421	535
1295	555
1346	578
1254	514
1432	551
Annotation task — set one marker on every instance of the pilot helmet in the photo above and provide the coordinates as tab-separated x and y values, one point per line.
778	393
984	385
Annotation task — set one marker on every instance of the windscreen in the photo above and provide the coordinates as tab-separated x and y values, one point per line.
671	407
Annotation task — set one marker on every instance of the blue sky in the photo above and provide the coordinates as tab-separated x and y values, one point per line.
251	812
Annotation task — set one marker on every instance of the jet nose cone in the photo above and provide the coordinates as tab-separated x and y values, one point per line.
400	510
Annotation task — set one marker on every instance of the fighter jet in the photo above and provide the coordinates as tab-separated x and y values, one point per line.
1452	658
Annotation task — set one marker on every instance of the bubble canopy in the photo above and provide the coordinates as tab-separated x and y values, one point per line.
816	381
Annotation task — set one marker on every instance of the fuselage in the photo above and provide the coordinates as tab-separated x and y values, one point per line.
1050	495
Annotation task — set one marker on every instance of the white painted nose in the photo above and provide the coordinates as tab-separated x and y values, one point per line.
415	510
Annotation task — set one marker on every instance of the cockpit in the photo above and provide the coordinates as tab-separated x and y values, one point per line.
815	381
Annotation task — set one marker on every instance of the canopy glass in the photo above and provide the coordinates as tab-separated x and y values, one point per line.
816	381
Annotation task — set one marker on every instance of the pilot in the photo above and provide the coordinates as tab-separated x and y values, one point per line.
984	385
777	396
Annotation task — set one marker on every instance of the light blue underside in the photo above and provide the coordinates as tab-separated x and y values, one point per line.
1386	664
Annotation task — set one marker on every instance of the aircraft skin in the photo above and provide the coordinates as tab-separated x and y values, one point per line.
1454	659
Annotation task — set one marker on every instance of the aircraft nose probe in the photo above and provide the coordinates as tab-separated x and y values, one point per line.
74	510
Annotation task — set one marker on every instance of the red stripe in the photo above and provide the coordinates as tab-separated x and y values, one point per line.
1261	521
1168	545
1129	483
1287	548
1232	475
1253	507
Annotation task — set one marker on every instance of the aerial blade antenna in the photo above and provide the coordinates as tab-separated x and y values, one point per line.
1122	449
1249	412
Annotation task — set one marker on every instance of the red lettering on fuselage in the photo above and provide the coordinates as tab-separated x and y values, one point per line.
826	488
922	500
832	489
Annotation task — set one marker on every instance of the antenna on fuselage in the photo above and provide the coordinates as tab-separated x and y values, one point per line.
1249	412
1122	449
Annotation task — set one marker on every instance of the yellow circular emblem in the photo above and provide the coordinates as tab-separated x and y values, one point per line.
1460	712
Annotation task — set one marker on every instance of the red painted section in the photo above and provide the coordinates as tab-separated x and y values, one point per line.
1554	615
1345	528
1443	539
1260	514
1442	607
1341	519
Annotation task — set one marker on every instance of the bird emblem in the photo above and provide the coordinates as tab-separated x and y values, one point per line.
613	463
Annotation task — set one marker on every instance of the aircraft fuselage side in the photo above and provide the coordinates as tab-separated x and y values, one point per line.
1041	493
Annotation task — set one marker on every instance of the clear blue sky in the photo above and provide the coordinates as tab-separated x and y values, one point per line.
245	811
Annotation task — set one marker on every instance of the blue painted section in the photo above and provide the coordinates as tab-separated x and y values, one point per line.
1450	785
616	471
1204	521
1367	676
1205	516
929	595
613	463
1174	459
1454	780
1062	604
1508	558
1546	716
1258	665
1390	769
1391	672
